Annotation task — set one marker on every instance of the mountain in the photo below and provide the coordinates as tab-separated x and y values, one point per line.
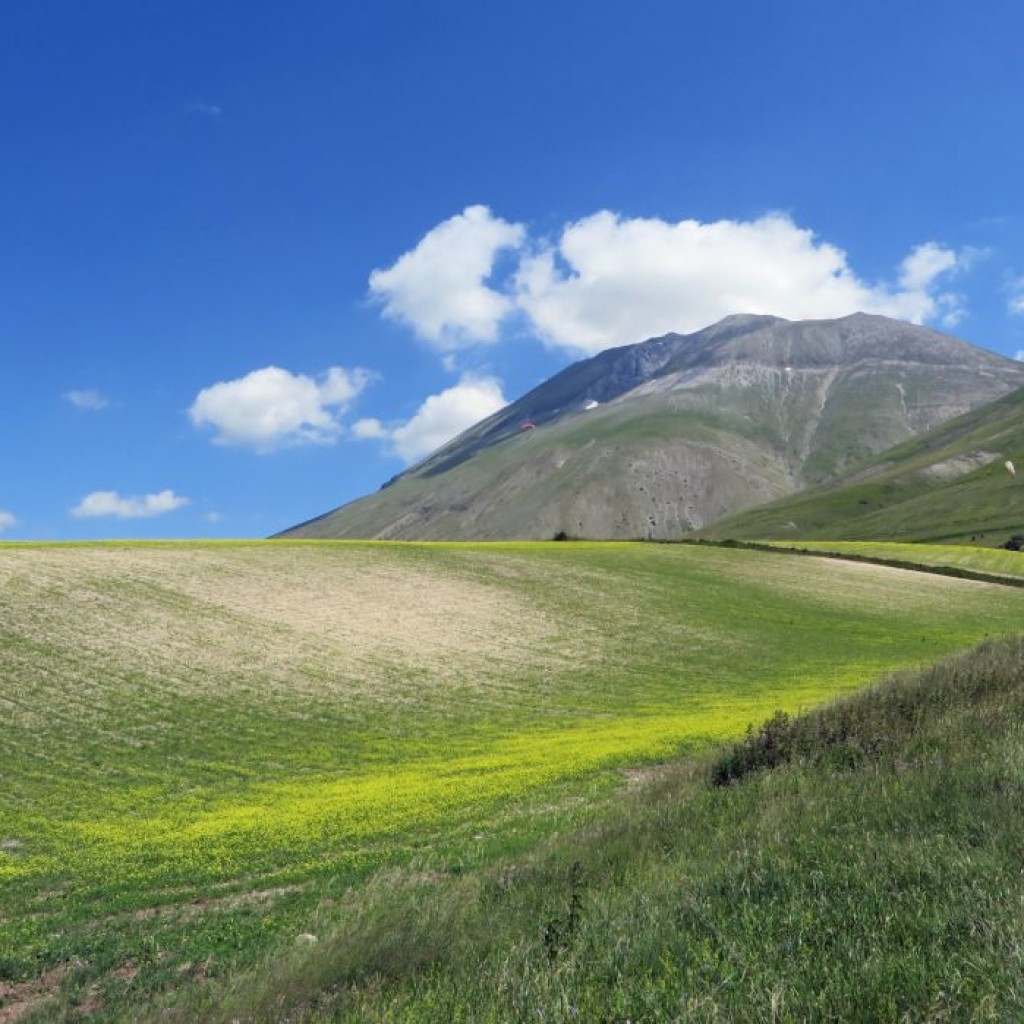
661	438
948	485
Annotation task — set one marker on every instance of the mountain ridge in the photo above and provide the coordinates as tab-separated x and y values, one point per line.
661	438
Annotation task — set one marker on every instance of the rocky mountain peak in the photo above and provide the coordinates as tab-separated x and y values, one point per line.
662	437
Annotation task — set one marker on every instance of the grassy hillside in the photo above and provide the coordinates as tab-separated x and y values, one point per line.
207	745
639	470
863	865
947	486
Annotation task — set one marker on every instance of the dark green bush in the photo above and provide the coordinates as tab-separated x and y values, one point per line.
763	748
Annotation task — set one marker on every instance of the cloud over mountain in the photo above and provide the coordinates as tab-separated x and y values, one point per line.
440	418
607	279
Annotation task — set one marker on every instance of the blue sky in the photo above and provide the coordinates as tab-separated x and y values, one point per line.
256	257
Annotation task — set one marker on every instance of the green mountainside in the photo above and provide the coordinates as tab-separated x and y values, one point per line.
951	484
659	439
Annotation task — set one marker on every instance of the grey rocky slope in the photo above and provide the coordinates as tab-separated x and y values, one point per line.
686	430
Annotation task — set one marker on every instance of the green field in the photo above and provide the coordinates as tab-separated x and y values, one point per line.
206	745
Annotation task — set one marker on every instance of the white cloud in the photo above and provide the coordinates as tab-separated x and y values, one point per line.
7	520
439	288
369	429
110	503
440	418
924	264
1019	355
611	280
920	270
272	408
87	398
950	309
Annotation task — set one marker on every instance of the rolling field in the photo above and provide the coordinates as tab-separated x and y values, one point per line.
205	745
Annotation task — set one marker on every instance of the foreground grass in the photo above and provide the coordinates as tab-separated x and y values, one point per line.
207	748
865	866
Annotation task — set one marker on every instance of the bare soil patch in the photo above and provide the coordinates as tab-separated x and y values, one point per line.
17	1001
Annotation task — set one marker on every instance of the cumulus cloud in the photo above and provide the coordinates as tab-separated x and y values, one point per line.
273	408
110	503
924	264
87	398
369	430
920	271
610	280
440	418
440	287
7	520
